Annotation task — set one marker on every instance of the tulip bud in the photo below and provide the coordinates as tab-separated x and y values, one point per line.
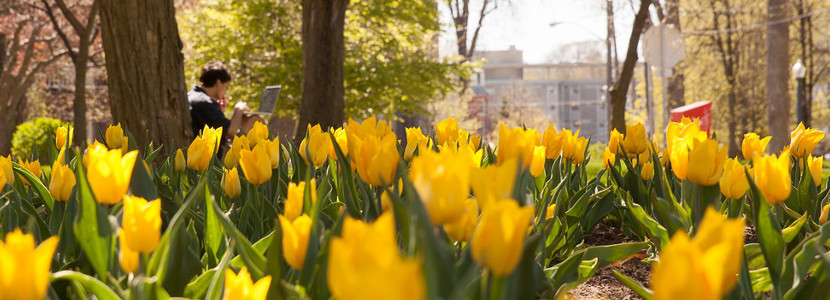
342	142
230	183
442	181
141	224
815	166
115	136
256	164
6	171
803	140
499	238
461	230
708	163
552	142
415	139
25	269
315	146
179	162
109	175
493	183
648	171
62	181
295	235
635	141
537	164
825	212
608	158
241	286
614	140
772	176
257	133
753	145
447	131
733	181
61	134
33	166
516	143
127	258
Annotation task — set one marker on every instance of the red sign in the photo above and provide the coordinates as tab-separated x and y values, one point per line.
701	110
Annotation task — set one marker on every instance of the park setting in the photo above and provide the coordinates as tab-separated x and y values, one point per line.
423	149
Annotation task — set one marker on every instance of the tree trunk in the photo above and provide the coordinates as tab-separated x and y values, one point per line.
145	70
778	75
620	88
79	104
674	86
323	56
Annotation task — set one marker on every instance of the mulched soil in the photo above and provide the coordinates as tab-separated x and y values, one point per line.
603	285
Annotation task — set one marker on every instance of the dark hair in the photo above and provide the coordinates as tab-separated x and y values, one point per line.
212	72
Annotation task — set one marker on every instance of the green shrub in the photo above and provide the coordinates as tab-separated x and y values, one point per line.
36	134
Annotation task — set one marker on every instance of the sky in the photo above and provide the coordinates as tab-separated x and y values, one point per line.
526	24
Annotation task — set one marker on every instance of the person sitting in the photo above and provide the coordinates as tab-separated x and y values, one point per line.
208	100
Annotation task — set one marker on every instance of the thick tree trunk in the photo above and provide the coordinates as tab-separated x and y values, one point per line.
778	75
145	70
323	56
79	104
620	88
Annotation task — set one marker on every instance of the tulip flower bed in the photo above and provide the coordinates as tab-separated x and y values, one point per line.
353	214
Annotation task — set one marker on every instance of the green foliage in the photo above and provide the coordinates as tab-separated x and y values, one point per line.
391	59
35	134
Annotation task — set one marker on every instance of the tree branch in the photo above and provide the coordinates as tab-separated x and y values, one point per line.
49	12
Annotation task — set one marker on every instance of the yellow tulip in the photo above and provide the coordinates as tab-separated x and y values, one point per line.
62	181
803	140
648	171
367	255
772	176
635	141
537	163
317	144
141	223
615	140
705	267
230	183
461	230
212	136
272	147
342	142
500	236
24	269
256	164
475	142
294	201
753	145
127	258
708	163
109	175
242	287
125	142
375	159
493	183
733	181
415	139
179	162
447	131
6	171
608	158
516	143
200	153
464	151
61	134
665	157
115	136
356	133
573	146
442	181
33	166
232	157
825	212
257	133
552	142
295	235
815	164
96	150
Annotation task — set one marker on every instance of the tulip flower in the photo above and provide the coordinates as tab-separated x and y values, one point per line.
635	141
356	133
295	200
179	162
442	181
461	230
375	159
516	143
141	223
493	183
708	163
242	287
317	145
24	269
33	166
342	142
815	166
733	181
232	157
212	136
648	171
295	235
552	142
367	255
825	212
115	136
753	145
62	181
500	236
230	183
109	175
257	133
475	142
705	267
272	147
61	134
6	171
447	131
463	151
415	139
615	140
573	146
256	164
97	149
608	158
200	153
127	258
537	163
803	140
772	176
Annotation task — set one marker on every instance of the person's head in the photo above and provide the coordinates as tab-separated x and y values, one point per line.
215	79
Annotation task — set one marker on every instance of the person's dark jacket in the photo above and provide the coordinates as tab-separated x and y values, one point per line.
204	110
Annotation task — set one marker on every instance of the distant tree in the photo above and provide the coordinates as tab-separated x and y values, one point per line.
619	92
778	73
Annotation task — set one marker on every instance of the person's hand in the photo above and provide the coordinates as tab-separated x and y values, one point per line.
223	103
241	106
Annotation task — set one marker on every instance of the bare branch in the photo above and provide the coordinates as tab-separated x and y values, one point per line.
51	13
70	17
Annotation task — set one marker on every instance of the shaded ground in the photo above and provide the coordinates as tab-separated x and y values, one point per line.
603	285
